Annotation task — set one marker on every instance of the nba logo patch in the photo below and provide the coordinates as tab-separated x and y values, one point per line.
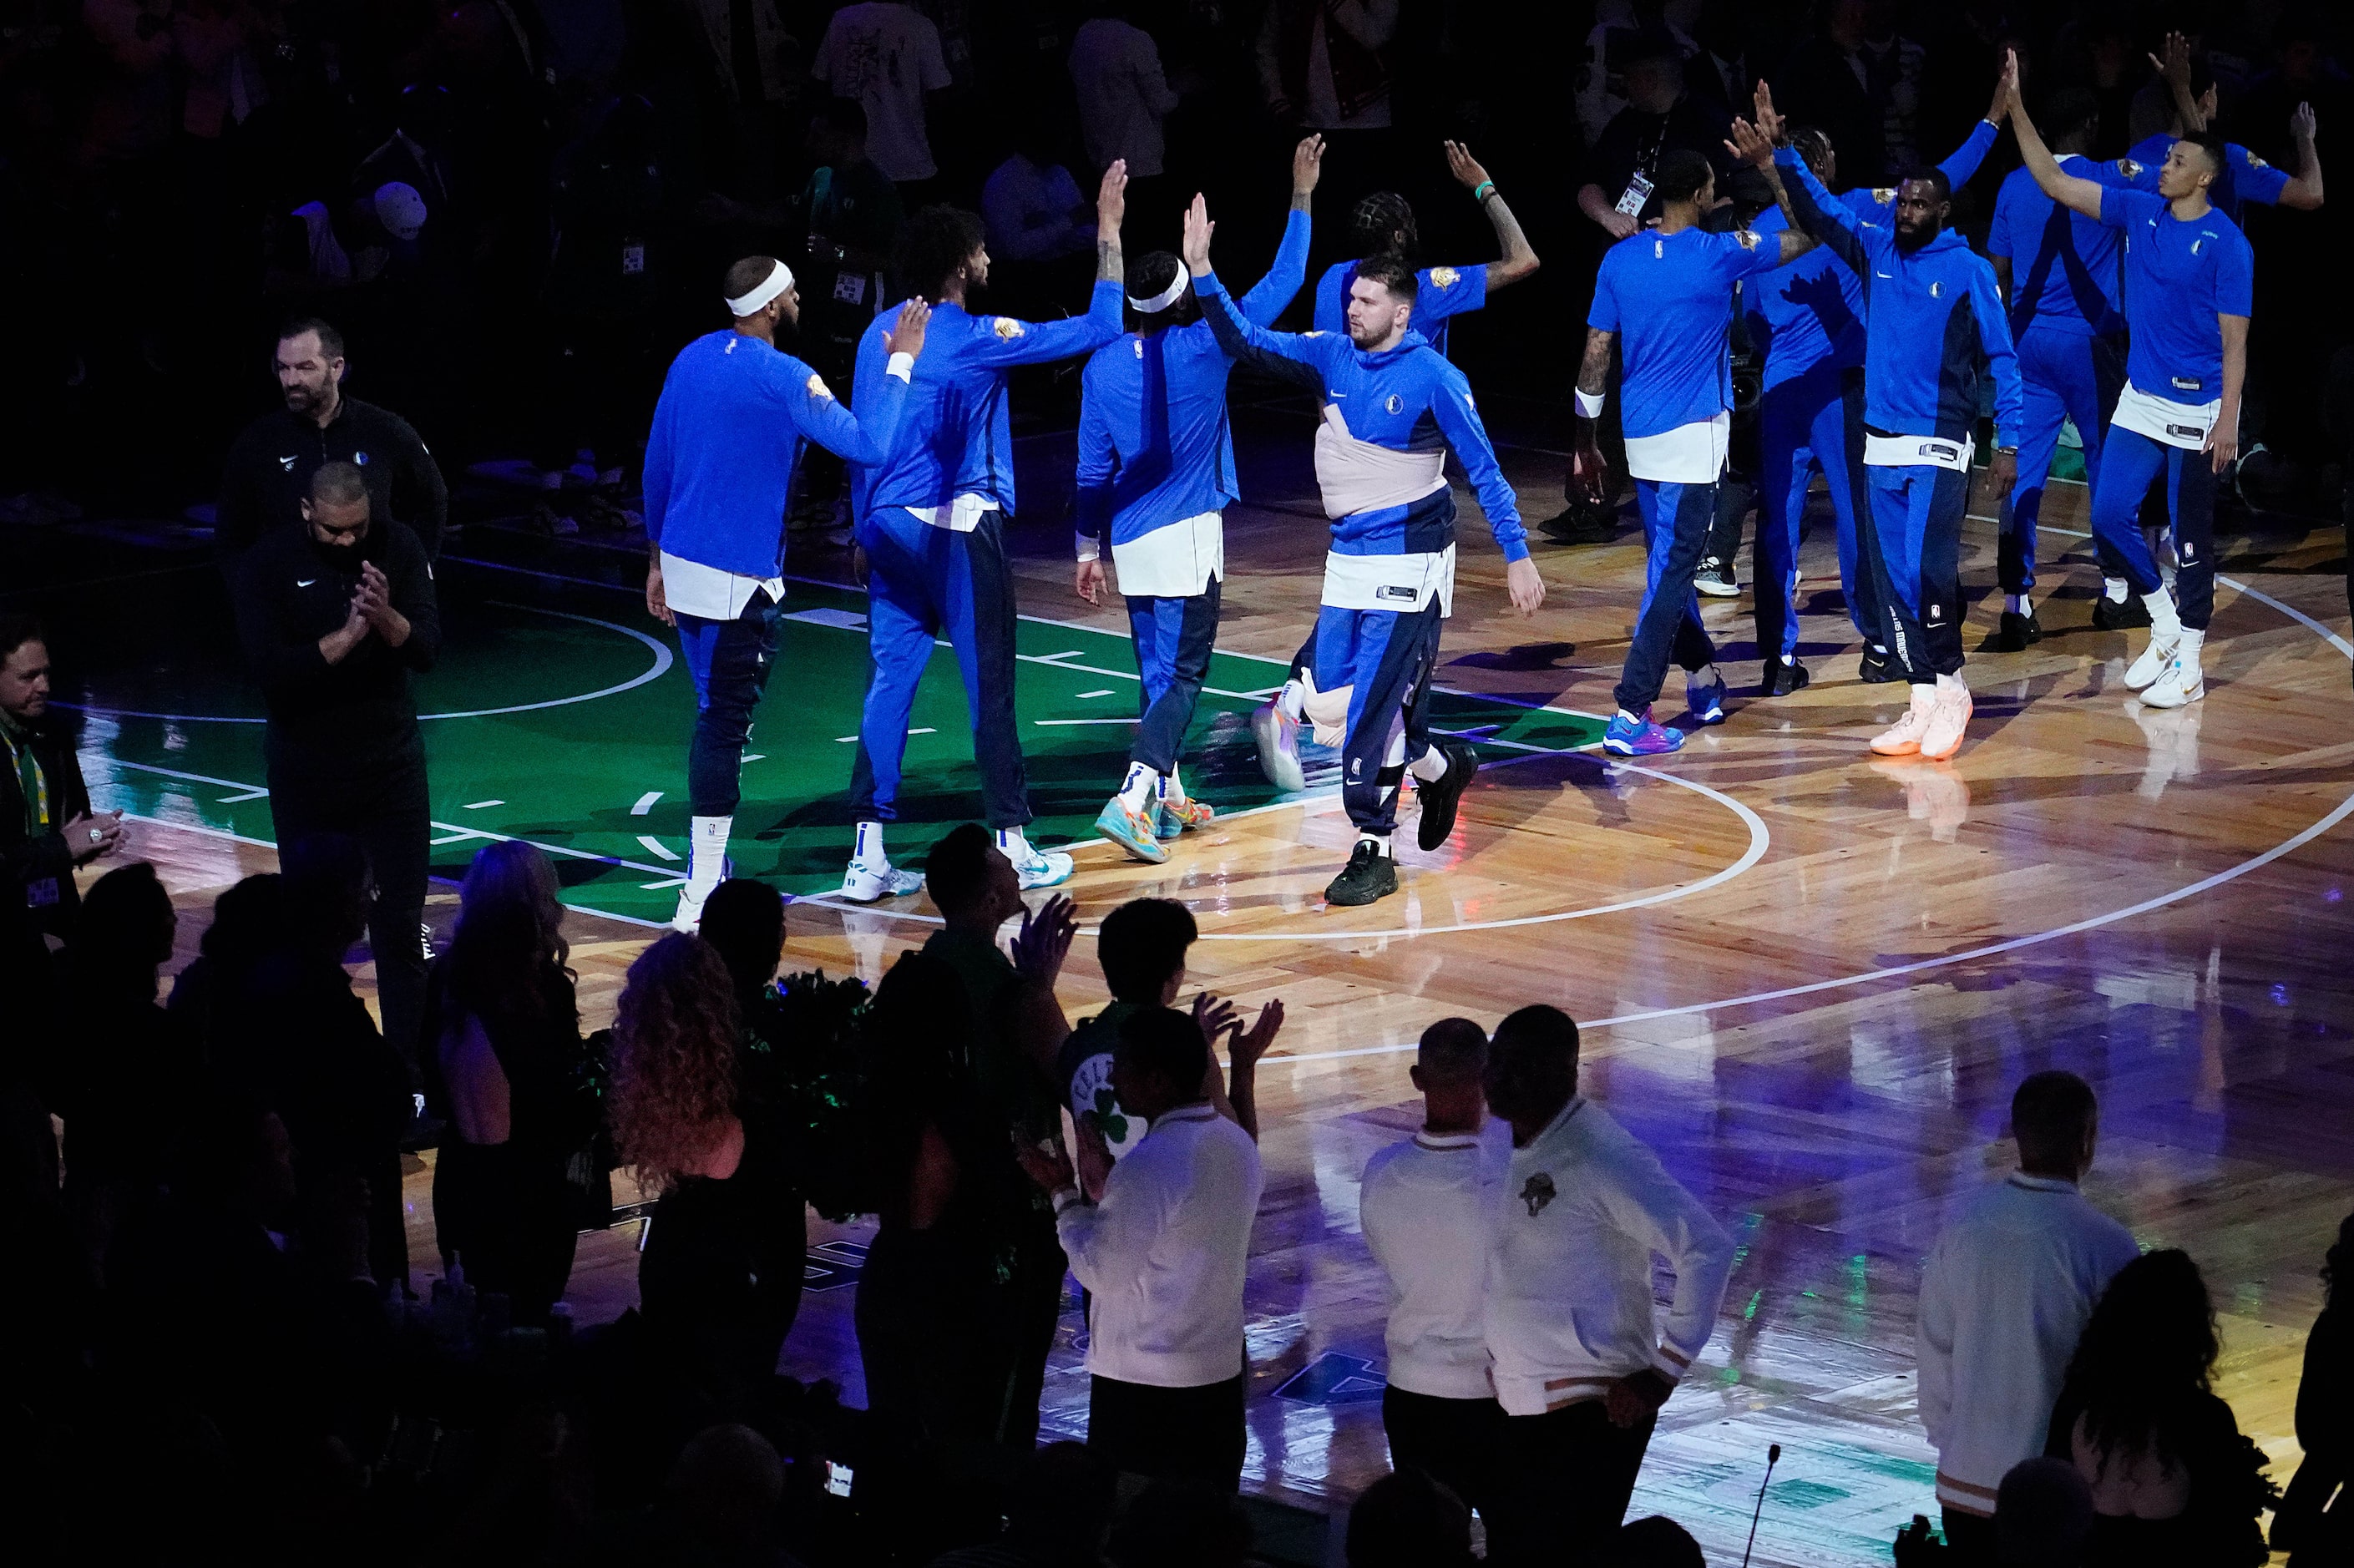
1356	768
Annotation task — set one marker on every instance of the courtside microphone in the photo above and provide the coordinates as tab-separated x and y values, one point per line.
1773	1458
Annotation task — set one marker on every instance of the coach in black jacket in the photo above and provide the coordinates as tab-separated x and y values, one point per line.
335	616
269	467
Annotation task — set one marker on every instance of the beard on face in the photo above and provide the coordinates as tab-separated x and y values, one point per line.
301	399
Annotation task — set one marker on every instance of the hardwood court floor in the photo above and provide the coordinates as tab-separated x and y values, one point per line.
1808	979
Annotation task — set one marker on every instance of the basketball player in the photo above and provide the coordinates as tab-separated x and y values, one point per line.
1664	295
931	520
1157	465
1383	225
719	467
1934	324
1393	408
2188	291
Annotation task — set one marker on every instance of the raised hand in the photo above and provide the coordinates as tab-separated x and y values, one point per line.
1196	246
1307	164
1045	1164
1762	104
1250	1045
1111	199
1215	1016
1464	166
2302	125
1749	144
906	333
1045	939
2175	63
2005	91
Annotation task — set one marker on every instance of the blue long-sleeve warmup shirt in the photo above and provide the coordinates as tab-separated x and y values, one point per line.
1934	320
726	436
1155	445
1390	418
1810	313
956	438
1440	293
2065	267
2245	177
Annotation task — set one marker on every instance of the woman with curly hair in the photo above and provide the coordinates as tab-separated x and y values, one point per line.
2309	1527
720	1274
504	1070
2173	1480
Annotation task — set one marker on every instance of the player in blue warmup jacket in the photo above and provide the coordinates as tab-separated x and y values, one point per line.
1809	318
2060	270
2245	177
1383	225
1156	470
1664	296
1392	408
930	519
2190	278
1933	327
719	469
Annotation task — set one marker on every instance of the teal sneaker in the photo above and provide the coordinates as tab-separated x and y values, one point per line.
1131	830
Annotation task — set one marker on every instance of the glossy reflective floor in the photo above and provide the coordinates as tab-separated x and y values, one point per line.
1808	979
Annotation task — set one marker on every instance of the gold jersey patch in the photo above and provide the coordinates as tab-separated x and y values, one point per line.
817	387
1444	276
1007	327
1748	238
2256	162
1883	195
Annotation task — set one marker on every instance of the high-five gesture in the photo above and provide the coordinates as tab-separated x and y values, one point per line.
906	333
1750	145
1464	166
1196	246
1111	198
1306	168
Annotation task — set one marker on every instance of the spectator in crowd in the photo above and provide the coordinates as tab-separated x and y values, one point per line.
1658	1542
1825	83
1162	1246
1015	1033
335	617
1320	64
267	478
1409	1520
886	56
47	828
1041	235
126	1072
720	1275
1659	118
854	208
1720	74
2008	1288
248	924
304	1047
1893	67
2308	1525
745	923
1425	1205
504	1072
2173	1480
1584	1208
1123	98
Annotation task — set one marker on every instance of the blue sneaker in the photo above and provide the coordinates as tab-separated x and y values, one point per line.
1706	704
1131	830
1639	737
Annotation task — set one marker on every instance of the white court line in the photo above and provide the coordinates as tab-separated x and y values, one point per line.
479	805
646	802
1090	696
658	849
1060	722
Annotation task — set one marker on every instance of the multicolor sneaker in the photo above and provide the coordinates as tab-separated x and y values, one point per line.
1950	721
1277	736
1705	703
1639	737
1131	830
1903	738
1180	814
864	882
1041	869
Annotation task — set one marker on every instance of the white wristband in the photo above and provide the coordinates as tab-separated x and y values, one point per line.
1090	548
902	365
1589	404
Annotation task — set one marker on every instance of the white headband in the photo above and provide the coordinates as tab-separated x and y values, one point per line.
1165	298
780	279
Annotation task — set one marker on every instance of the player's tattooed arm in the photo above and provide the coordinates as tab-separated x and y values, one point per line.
1593	371
1111	206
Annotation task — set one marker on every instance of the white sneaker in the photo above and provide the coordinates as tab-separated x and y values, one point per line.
1042	869
2153	662
2181	684
1279	747
1903	738
689	917
864	884
1950	721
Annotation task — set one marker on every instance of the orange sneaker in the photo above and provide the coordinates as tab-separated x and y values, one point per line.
1903	738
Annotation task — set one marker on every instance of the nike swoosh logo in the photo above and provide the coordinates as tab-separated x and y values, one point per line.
1890	276
304	582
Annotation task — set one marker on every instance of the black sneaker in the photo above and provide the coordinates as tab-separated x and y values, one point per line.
1442	794
1877	669
1580	525
2119	615
2016	634
1370	874
1714	579
1780	680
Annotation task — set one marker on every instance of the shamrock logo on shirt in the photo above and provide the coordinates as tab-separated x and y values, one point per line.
1537	1192
1107	1119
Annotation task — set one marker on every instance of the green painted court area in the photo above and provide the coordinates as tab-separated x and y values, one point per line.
569	726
